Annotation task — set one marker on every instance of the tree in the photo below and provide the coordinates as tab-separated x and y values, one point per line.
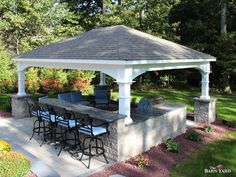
7	72
198	25
27	24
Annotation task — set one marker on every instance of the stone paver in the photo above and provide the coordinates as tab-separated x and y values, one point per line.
17	133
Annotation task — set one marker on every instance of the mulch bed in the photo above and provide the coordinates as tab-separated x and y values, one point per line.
4	114
161	161
31	174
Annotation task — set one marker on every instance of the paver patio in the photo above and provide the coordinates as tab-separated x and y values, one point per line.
17	133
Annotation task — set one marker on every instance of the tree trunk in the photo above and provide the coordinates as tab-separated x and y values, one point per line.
223	17
223	30
226	82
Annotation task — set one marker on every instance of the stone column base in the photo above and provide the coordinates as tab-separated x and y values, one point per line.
19	105
204	110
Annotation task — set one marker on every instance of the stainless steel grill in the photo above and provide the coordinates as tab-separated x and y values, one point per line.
147	104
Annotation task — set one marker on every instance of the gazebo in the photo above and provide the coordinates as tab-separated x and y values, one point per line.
120	52
123	53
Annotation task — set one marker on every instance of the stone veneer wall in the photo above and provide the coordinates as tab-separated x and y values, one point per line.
19	105
204	110
125	142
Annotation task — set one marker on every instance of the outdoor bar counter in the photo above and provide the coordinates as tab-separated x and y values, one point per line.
99	114
147	130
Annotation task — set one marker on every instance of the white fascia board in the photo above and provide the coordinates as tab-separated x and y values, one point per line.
112	62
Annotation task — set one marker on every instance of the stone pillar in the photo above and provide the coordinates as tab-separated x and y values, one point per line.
20	107
21	83
205	85
102	79
204	110
124	100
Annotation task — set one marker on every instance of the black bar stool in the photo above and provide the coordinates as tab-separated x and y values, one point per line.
92	133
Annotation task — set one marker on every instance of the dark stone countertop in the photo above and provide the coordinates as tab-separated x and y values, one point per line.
103	115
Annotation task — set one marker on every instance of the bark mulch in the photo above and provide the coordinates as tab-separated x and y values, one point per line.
31	174
162	161
4	114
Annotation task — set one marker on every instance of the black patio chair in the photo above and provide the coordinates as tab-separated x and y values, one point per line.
48	116
39	125
92	132
68	124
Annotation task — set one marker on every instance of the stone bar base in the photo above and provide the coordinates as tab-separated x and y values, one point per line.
125	142
20	108
204	110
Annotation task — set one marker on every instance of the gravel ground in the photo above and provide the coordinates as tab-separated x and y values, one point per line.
162	161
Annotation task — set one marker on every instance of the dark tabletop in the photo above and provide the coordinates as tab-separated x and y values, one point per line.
99	114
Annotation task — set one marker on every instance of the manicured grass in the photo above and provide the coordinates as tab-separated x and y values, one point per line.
226	104
219	152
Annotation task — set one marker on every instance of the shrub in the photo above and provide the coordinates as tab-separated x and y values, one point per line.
80	80
7	71
53	80
5	146
14	164
194	136
52	86
32	80
141	161
208	129
172	146
232	124
81	85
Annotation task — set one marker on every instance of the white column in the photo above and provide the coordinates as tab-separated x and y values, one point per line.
124	100
21	83
205	85
102	79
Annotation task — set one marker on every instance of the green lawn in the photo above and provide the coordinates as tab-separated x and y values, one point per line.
219	152
226	104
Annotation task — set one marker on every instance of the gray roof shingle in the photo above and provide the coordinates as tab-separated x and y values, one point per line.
114	43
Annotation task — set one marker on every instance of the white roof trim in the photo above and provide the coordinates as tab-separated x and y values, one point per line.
112	62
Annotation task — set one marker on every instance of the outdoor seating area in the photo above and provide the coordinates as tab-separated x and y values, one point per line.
74	97
62	125
95	126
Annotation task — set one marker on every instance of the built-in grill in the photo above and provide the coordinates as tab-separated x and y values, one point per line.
148	104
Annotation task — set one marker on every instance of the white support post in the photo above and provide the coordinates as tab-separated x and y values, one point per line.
21	83
205	86
102	79
124	100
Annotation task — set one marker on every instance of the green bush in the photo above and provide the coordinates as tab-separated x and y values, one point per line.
172	146
208	129
5	146
7	71
53	80
32	80
141	161
80	80
14	164
194	136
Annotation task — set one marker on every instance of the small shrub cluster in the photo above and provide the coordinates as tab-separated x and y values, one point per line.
172	146
208	129
141	161
5	146
194	136
52	85
48	80
12	163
